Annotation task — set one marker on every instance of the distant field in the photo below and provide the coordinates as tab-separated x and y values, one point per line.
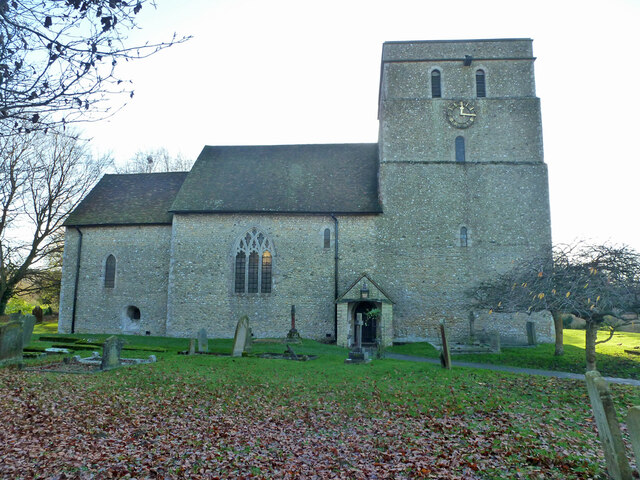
611	359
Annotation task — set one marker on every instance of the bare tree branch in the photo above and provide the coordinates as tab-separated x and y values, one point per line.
49	175
58	59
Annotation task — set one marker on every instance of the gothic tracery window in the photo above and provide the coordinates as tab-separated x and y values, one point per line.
253	263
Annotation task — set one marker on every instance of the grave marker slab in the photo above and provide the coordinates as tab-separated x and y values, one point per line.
357	354
38	313
203	342
111	353
11	338
633	424
240	338
445	354
28	322
608	427
495	342
192	346
531	333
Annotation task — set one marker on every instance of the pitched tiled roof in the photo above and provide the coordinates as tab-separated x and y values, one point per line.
132	199
332	178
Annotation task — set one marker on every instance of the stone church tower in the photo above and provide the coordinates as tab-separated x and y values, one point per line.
454	192
463	182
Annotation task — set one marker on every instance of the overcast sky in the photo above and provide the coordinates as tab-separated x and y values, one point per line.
294	71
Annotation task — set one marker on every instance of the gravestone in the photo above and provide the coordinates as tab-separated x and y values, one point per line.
472	327
608	427
192	346
293	336
495	342
240	338
445	354
633	424
11	338
37	312
28	322
356	354
111	353
531	333
248	341
203	342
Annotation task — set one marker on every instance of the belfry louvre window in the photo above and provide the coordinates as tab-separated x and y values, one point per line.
436	89
481	86
254	275
110	272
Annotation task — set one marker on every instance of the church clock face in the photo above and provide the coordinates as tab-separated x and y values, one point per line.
461	114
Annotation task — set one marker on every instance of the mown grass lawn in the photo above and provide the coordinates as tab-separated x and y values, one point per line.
611	358
208	416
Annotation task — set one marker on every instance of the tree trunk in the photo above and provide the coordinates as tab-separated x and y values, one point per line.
4	299
591	335
557	323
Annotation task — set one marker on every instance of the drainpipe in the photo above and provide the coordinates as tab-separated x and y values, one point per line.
75	287
335	278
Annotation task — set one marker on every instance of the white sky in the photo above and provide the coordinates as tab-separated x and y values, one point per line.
296	71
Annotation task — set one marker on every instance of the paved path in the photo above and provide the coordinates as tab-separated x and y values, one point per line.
505	368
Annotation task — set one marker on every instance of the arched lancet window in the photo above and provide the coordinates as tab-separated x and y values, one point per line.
463	237
436	88
460	149
110	272
254	275
481	87
327	238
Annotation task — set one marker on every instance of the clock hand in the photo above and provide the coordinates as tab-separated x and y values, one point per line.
467	114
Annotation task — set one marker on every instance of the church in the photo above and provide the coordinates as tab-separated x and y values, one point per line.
453	193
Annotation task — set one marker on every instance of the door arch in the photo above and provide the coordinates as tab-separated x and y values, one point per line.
369	326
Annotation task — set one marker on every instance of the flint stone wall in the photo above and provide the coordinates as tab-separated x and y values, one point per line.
142	271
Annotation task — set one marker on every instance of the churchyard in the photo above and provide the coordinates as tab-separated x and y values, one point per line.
212	415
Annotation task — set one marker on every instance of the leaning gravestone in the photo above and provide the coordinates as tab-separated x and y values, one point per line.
28	322
240	338
11	338
531	333
111	353
203	343
633	424
445	354
608	427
